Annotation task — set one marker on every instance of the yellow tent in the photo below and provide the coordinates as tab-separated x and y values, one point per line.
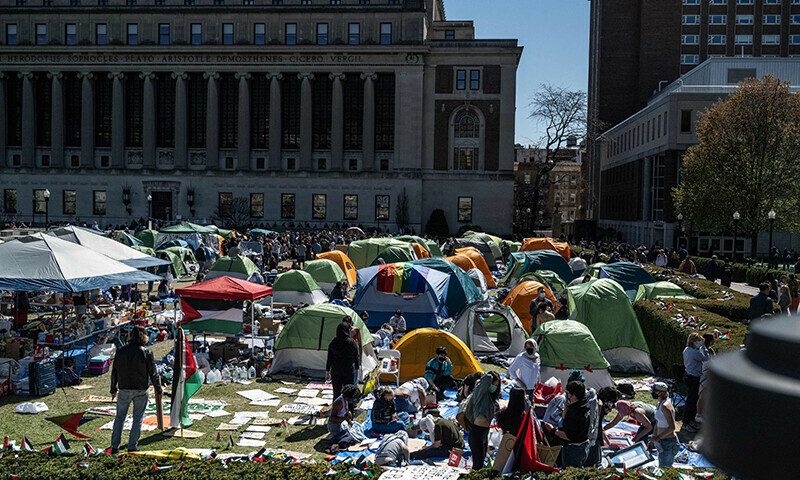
343	261
418	347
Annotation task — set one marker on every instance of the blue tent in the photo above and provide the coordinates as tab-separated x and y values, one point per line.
462	291
530	262
627	274
175	243
420	292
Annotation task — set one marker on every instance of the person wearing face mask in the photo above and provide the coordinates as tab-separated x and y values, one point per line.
525	368
694	355
664	438
575	431
480	410
437	373
541	297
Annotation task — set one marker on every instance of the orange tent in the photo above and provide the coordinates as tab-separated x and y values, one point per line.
479	262
420	252
462	261
533	244
341	259
520	298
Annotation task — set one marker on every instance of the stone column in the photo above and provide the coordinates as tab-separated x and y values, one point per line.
148	120
3	122
368	145
28	120
275	127
212	120
337	122
181	121
243	152
306	120
117	120
87	119
57	120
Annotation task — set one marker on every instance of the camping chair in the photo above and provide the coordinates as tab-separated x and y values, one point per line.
677	386
385	358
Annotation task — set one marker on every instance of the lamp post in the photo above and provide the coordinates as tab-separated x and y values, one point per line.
126	199
771	216
736	218
149	211
33	209
46	208
190	201
680	223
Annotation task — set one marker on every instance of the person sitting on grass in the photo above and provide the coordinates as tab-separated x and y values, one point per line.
437	373
444	435
385	417
385	335
410	396
340	411
398	323
393	450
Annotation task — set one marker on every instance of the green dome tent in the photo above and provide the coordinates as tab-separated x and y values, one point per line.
433	247
522	263
296	287
549	278
650	291
237	267
127	239
605	309
363	252
414	239
566	345
326	273
303	342
187	227
394	254
148	237
178	267
257	232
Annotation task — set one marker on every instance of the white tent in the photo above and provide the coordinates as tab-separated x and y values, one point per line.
110	248
479	280
45	263
489	328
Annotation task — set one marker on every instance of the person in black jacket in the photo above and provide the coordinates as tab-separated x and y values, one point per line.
133	369
342	363
576	427
510	419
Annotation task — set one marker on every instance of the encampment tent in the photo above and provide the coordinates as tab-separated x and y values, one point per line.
650	291
186	227
344	262
296	287
303	342
110	248
478	261
326	273
363	252
127	239
418	347
629	275
521	263
549	278
489	328
520	298
215	306
257	232
547	243
461	290
148	237
236	266
420	292
605	309
414	240
578	266
179	268
395	254
566	345
485	246
433	247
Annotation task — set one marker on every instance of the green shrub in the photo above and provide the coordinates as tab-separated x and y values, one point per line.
437	224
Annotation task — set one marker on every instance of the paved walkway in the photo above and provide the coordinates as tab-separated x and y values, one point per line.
744	288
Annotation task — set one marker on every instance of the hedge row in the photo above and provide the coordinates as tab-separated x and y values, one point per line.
752	275
708	295
29	466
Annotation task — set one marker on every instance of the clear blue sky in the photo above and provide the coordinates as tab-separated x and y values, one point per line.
555	34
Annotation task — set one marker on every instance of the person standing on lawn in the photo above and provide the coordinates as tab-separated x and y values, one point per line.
525	368
664	434
134	368
694	355
343	356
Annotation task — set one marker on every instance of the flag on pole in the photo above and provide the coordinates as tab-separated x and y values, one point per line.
26	445
61	445
188	382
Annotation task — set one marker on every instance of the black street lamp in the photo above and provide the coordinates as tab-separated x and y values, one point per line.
126	199
46	208
771	216
33	210
736	218
190	200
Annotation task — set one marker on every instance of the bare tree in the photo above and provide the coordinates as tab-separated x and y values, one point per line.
236	215
562	114
401	213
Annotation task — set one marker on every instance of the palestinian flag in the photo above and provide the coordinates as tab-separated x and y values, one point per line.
230	441
26	445
187	382
219	437
70	423
162	467
61	446
524	456
5	443
107	451
212	315
89	450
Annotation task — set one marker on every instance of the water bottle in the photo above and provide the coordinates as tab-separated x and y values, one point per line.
251	372
226	375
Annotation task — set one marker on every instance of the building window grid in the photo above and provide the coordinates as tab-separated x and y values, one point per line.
197	92
163	34
657	210
70	34
744	19
133	34
10	200
386	33
259	33
382	207
290	35
319	206
464	209
11	34
229	112
43	99
350	207
290	117
102	111
354	33
196	34
384	111
716	39
134	112
99	202
744	39
72	109
225	204
227	34
353	110
461	79
165	111
69	202
690	39
771	19
717	19
322	34
474	79
101	34
259	112
41	34
256	205
322	103
287	205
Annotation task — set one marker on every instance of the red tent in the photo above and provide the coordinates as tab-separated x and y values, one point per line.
225	288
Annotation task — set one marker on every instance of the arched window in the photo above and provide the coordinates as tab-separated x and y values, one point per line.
467	125
466	140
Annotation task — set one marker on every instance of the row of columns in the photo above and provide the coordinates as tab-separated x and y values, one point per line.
149	136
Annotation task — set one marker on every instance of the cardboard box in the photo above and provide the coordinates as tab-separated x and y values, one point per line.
12	350
430	399
267	326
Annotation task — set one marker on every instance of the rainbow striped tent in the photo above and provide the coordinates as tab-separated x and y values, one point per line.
420	292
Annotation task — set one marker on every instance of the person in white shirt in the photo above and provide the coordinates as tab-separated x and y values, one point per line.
398	323
525	367
661	259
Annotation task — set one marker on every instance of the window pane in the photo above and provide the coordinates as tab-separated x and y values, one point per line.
197	34
354	34
474	79
319	206
381	207
69	202
10	201
99	202
386	33
464	209
287	205
257	205
291	34
351	207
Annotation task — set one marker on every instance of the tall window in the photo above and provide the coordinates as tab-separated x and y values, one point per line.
257	205
11	34
43	98
467	125
351	207
287	205
227	34
384	112
466	136
163	34
461	79
41	34
102	110
225	204
99	202
196	88
72	107
259	112
323	87
354	33
10	200
134	93
260	33
465	209
165	111
449	34
229	112
101	34
14	110
70	34
69	202
353	111
657	206
322	34
133	34
197	34
319	206
686	121
291	34
290	118
386	33
381	207
474	79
